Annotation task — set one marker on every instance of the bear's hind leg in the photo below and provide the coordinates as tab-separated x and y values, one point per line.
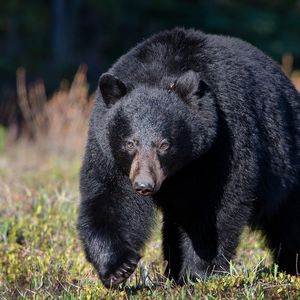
189	251
283	235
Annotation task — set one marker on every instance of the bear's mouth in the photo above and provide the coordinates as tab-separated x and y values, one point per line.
146	190
144	184
143	190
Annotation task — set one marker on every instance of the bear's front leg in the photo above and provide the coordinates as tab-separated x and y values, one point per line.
113	236
113	224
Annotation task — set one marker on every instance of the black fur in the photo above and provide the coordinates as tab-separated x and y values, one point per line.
233	120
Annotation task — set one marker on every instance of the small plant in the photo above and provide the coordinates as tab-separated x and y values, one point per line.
2	138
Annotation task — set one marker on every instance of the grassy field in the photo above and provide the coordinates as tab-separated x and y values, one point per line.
41	256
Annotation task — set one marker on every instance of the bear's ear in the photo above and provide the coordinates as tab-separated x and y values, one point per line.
111	88
186	85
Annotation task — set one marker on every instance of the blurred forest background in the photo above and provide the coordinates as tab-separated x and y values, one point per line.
50	39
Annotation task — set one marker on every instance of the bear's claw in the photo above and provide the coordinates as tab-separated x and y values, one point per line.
120	274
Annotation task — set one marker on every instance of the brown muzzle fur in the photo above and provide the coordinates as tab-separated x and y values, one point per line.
146	174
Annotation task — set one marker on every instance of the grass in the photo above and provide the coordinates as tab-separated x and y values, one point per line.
41	256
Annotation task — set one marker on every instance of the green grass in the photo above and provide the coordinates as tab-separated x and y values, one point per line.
41	256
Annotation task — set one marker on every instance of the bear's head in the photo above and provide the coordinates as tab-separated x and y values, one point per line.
154	131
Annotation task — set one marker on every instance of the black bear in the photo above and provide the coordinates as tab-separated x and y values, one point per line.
207	129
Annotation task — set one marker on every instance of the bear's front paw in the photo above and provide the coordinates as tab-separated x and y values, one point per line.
121	271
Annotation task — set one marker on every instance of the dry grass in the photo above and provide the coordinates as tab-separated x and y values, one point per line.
287	64
58	122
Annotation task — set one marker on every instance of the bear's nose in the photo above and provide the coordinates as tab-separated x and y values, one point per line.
143	187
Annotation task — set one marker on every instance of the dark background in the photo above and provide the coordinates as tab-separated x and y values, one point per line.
51	38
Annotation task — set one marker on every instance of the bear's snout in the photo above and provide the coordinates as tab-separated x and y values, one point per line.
146	174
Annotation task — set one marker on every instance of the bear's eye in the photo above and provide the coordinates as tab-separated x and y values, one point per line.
164	145
130	145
